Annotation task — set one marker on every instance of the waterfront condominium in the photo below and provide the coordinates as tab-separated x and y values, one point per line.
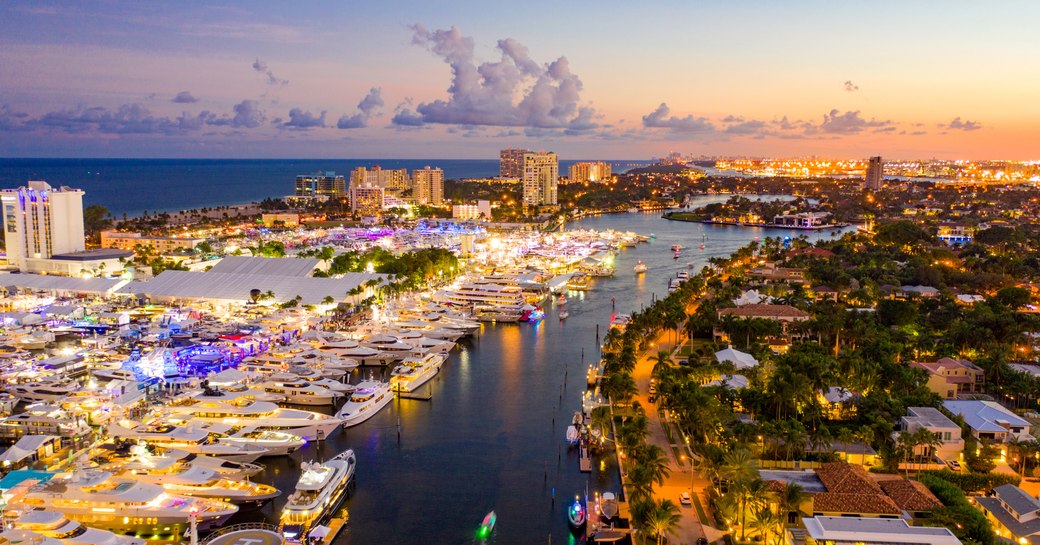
875	173
511	163
41	221
328	184
389	179
589	172
541	171
366	199
428	186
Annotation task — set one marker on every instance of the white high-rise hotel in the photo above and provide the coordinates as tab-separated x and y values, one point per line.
541	171
40	222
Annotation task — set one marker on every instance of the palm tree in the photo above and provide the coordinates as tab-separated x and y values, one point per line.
790	500
662	363
663	519
738	465
655	460
748	494
766	522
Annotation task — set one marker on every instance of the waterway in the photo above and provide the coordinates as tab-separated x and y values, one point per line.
492	437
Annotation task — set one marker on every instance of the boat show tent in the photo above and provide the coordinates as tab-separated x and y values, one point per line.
226	288
59	285
287	266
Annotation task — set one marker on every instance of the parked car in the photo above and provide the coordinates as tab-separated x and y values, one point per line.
652	398
685	499
684	363
954	465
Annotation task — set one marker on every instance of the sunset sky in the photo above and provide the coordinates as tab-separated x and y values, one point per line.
611	80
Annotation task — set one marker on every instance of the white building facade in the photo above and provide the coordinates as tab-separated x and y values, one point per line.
541	173
41	221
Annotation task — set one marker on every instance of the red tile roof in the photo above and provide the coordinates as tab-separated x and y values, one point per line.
844	478
861	504
911	495
764	311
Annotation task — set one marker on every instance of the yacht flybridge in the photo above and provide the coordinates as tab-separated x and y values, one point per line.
262	415
369	397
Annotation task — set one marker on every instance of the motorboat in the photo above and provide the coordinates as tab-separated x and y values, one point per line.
300	392
564	313
318	493
199	482
277	443
487	525
114	455
263	415
576	514
47	390
412	373
640	267
352	350
315	378
677	254
122	504
676	247
367	400
193	440
114	374
62	530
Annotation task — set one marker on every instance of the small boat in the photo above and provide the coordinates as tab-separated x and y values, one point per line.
608	506
640	267
564	314
576	514
572	435
487	525
561	300
676	247
676	254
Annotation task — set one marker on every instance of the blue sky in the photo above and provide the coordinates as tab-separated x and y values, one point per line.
587	79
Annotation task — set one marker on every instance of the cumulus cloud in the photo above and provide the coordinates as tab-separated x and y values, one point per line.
300	119
368	107
851	87
514	91
247	115
752	126
127	119
405	116
958	125
848	122
184	97
261	67
660	119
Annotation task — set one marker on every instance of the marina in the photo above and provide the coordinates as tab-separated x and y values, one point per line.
198	399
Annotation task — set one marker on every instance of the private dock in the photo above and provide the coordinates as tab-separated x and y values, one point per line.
585	458
414	395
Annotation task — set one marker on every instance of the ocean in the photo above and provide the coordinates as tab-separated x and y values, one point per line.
132	186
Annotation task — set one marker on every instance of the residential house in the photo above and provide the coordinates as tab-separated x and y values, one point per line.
770	273
1015	514
990	420
911	496
858	530
838	403
949	377
823	293
920	291
740	360
945	430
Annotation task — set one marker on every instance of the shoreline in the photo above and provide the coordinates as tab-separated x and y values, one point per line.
827	227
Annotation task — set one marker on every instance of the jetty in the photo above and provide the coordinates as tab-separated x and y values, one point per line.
584	458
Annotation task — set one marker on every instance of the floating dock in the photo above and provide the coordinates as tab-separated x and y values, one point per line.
585	459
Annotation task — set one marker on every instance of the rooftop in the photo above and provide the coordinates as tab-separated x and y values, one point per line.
984	416
875	530
910	495
93	255
764	311
929	417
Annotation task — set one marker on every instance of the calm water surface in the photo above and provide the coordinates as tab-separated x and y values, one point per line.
493	435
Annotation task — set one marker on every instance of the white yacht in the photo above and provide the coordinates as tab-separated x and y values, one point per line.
425	344
277	443
352	350
234	391
430	330
320	490
368	398
122	504
201	482
263	415
56	526
392	347
483	294
113	455
414	372
48	390
195	441
300	392
314	378
114	374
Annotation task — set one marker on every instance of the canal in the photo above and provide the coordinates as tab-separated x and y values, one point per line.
492	437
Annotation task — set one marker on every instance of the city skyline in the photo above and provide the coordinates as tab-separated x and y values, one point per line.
404	79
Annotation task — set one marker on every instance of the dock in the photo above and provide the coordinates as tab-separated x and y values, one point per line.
413	395
335	525
585	458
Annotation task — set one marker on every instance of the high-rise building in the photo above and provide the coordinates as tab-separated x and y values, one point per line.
541	171
366	199
40	222
589	172
326	183
511	163
875	173
428	186
385	178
